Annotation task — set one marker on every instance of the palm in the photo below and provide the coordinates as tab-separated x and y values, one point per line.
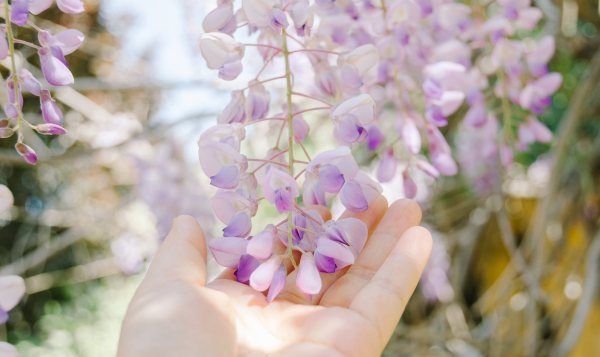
286	326
354	315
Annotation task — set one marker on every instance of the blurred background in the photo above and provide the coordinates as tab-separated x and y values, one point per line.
511	272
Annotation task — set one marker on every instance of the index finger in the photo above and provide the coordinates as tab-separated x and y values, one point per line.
383	299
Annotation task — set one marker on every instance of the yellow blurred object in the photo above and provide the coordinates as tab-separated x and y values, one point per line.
562	283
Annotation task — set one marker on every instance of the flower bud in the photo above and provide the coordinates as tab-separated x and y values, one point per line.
27	153
301	129
308	279
411	136
50	129
29	82
387	167
410	187
262	277
50	110
257	102
6	132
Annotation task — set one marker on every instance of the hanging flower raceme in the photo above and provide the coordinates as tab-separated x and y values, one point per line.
388	77
51	49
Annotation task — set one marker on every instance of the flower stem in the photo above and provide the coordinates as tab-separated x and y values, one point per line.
315	50
311	97
13	67
310	110
27	43
290	117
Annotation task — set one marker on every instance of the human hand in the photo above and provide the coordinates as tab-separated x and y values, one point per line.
175	312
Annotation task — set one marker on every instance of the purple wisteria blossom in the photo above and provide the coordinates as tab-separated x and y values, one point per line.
386	79
52	49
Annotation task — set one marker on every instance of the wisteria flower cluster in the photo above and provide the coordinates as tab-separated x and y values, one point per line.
51	50
388	77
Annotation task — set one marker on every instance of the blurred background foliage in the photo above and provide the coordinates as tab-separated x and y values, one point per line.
513	272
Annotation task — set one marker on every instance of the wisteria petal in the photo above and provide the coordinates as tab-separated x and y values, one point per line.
235	111
54	70
261	245
450	101
19	12
374	138
410	187
444	163
226	204
340	253
246	266
262	276
301	129
36	7
227	178
362	107
411	136
363	58
308	279
258	12
70	6
230	71
218	49
280	189
69	40
386	170
370	188
325	264
50	129
277	284
428	168
27	153
356	233
51	113
352	197
239	226
228	250
257	101
29	82
219	18
313	193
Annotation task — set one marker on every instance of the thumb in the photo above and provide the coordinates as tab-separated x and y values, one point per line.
182	256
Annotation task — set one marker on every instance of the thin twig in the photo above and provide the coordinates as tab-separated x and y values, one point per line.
590	286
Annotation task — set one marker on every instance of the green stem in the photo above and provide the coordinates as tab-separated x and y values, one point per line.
290	117
13	63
